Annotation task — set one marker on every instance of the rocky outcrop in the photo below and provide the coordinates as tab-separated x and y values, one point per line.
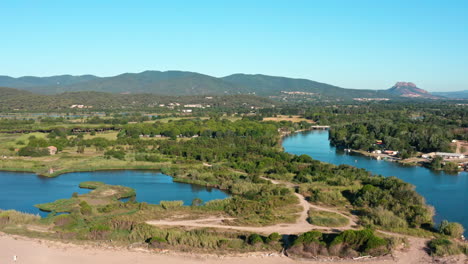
409	89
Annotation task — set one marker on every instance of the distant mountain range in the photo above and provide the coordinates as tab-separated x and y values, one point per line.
178	83
455	95
183	83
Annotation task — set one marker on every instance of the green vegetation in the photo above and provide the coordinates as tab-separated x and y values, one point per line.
177	83
404	127
100	194
11	217
323	218
441	247
348	244
454	230
237	155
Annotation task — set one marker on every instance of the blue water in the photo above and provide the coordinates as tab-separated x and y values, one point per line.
21	191
446	192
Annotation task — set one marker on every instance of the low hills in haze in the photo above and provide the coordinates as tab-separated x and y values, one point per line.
181	83
184	83
455	95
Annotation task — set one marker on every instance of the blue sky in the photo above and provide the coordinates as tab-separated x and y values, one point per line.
353	44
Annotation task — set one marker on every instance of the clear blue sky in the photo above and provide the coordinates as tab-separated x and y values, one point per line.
350	43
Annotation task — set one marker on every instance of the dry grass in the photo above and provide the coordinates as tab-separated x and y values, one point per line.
294	119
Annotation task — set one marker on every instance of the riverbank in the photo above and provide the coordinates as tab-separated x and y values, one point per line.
414	161
445	192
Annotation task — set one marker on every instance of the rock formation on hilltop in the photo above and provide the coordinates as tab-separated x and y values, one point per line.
409	89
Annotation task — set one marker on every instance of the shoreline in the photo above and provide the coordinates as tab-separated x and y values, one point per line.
66	171
43	251
405	162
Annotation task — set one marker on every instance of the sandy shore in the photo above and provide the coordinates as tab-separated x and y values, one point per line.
38	251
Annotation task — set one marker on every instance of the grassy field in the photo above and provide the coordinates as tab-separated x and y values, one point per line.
70	161
294	119
109	135
329	219
9	141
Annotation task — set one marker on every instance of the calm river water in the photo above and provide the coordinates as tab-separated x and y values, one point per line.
21	191
447	193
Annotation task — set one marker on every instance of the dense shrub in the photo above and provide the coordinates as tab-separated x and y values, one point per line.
451	229
33	152
273	237
255	239
363	241
443	247
118	154
63	220
350	243
158	242
99	231
15	217
171	204
85	208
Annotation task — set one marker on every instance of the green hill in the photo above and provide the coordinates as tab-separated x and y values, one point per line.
53	81
265	85
155	82
180	83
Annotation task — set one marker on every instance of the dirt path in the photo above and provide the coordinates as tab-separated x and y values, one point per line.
300	226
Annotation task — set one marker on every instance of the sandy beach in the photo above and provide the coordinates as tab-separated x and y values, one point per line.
39	251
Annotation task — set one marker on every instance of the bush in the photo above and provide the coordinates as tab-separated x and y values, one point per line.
382	217
33	152
85	208
15	217
451	229
443	247
360	241
311	236
63	220
273	237
255	239
118	154
171	204
158	242
99	231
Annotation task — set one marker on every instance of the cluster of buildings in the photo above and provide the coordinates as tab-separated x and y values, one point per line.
188	108
444	155
361	99
81	106
387	152
296	93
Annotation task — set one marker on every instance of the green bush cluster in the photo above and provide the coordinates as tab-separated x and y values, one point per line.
350	243
442	247
85	208
454	230
171	204
117	154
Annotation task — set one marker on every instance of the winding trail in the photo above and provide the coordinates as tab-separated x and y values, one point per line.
300	226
